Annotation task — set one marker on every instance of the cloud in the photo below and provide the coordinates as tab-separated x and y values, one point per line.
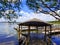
58	12
2	19
26	16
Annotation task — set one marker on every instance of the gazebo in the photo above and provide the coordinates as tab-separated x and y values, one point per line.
36	23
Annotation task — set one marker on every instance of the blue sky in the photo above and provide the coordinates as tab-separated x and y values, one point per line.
28	14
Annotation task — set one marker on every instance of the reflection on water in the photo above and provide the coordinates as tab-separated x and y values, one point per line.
7	28
8	34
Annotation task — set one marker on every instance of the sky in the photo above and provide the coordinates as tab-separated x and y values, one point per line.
28	14
31	15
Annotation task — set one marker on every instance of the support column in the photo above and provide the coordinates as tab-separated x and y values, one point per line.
45	34
19	34
37	35
37	29
28	34
50	31
28	38
21	30
49	39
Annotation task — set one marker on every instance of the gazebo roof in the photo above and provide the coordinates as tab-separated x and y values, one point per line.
34	22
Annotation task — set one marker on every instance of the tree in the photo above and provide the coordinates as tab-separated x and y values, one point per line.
8	8
45	6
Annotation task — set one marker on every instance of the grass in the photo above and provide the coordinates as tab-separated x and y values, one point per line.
54	22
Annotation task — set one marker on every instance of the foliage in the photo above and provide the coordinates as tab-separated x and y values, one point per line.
45	6
8	8
54	22
35	4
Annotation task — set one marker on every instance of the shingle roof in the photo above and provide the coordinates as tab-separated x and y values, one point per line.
34	22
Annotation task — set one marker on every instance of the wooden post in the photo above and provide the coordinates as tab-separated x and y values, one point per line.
50	31
19	35
28	38
37	34
45	34
28	34
21	30
37	29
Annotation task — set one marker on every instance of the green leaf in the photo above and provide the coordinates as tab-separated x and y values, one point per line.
47	0
5	1
54	4
54	0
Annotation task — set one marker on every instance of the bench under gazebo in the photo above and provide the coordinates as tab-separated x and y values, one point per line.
35	23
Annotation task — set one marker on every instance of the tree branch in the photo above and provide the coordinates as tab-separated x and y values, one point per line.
49	8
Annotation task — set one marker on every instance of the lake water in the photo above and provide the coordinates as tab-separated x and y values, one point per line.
7	33
7	28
